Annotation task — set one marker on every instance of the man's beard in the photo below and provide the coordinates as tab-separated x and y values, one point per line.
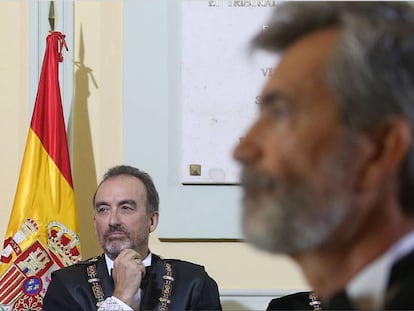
136	240
292	217
113	247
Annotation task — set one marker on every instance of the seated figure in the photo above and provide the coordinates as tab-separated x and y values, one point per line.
296	301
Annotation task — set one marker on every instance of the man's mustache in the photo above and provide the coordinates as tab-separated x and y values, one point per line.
254	179
117	228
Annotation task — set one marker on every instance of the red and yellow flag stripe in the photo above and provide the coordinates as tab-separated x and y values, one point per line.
42	234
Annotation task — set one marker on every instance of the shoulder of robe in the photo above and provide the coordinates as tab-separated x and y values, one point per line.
89	261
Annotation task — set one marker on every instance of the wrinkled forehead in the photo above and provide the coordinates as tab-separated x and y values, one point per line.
121	186
304	63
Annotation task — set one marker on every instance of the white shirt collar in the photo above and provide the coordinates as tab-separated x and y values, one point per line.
110	263
367	289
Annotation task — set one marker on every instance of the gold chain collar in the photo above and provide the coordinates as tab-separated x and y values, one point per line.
165	293
315	303
166	288
95	284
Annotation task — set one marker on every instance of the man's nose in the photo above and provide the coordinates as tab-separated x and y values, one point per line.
114	216
249	148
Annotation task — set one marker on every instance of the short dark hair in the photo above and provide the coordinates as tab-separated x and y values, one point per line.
371	71
153	200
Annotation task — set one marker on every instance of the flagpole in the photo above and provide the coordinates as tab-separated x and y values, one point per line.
51	17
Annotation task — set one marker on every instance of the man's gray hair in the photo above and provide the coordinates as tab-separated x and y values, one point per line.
371	71
152	193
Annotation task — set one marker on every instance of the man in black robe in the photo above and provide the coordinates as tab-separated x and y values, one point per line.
128	276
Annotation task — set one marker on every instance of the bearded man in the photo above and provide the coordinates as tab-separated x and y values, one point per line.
128	276
328	174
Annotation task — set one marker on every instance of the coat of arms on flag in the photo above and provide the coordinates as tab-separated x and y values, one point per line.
42	234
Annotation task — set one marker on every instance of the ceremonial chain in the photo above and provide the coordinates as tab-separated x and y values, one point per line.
99	295
315	303
95	284
166	288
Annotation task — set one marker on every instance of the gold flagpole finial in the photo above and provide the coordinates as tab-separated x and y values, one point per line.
52	15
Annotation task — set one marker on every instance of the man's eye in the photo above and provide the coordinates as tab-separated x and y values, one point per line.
102	209
279	109
276	106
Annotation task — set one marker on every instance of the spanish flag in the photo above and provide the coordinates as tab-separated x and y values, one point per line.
42	234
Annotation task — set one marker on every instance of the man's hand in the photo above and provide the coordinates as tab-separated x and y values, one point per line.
127	273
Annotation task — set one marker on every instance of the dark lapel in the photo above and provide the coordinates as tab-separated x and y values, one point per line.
107	282
400	288
340	301
153	284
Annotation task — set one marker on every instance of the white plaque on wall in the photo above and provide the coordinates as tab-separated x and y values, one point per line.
220	83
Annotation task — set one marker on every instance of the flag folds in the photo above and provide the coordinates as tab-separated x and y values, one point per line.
42	234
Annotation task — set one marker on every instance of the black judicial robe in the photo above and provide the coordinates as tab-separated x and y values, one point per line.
192	288
399	293
295	301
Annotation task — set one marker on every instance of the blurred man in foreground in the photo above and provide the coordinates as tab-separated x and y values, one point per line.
328	169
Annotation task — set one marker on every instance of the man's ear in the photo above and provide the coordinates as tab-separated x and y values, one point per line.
154	217
392	143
